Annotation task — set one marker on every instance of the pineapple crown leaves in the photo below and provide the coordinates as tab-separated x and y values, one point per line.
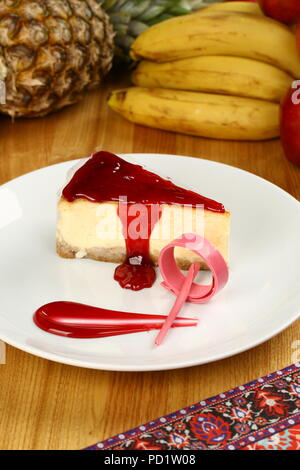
131	17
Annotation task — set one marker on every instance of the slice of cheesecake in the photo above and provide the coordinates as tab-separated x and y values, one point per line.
113	210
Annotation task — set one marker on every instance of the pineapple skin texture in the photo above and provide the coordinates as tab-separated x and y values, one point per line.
51	51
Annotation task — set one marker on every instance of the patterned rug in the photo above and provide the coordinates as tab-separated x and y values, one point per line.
261	415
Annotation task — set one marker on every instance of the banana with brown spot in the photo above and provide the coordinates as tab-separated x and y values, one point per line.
241	7
220	33
200	114
216	74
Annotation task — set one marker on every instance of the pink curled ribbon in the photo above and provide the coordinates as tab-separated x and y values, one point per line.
183	286
173	278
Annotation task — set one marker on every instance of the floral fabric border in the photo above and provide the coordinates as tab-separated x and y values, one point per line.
262	414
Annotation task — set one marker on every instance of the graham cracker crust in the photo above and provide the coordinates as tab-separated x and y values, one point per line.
111	255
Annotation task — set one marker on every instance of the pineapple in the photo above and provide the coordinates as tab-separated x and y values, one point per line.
51	51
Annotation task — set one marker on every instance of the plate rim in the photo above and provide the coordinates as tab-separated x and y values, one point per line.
142	368
151	367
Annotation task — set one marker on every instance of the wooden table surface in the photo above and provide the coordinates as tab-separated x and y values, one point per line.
45	405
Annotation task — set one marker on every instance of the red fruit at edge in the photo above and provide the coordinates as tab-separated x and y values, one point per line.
298	37
290	124
286	11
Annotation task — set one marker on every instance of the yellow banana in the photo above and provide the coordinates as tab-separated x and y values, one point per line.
242	7
220	33
216	74
201	114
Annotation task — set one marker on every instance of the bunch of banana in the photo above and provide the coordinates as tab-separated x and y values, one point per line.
220	72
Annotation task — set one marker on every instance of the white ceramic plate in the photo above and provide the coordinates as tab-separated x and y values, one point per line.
260	300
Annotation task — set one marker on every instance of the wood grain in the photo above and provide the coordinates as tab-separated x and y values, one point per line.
44	405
